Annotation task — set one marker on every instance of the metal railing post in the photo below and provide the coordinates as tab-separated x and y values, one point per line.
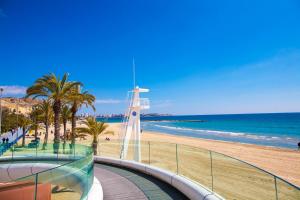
57	150
275	184
211	172
73	146
36	187
176	158
12	152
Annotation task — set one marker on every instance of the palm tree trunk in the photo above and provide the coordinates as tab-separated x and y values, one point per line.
95	147
73	126
56	110
65	131
46	134
65	136
35	131
23	137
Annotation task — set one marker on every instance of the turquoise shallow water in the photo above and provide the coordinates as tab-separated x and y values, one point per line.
278	129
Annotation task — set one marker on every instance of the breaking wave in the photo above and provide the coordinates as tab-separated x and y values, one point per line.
223	133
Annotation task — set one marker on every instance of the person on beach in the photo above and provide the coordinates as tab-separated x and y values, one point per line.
299	146
7	140
3	140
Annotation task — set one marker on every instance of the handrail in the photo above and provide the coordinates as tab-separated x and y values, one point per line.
197	164
245	162
75	173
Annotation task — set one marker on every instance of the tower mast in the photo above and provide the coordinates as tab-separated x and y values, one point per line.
133	124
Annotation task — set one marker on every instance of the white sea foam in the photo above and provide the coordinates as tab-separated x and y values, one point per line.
201	130
223	133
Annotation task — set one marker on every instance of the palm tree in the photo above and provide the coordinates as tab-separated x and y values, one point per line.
55	89
94	128
77	99
35	117
65	116
46	114
25	123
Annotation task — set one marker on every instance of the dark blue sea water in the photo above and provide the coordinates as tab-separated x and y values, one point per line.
276	129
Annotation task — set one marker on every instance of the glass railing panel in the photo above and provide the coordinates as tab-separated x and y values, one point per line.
77	150
88	171
8	153
65	182
90	174
109	149
145	152
70	176
70	181
45	151
286	191
20	153
23	188
163	155
233	179
113	149
195	164
74	151
64	150
61	150
75	176
130	151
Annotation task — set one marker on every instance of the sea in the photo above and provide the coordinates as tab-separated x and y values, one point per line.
270	129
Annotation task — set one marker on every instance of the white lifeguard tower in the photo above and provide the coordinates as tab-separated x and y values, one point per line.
132	123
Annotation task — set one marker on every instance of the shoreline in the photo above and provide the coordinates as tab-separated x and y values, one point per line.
282	162
282	142
224	141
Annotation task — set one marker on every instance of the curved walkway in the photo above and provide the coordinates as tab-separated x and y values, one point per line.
120	183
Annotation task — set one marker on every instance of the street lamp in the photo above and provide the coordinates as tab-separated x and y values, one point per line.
1	91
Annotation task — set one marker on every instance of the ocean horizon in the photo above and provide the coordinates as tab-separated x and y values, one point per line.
267	129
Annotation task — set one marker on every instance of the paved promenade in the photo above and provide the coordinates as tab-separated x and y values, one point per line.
119	183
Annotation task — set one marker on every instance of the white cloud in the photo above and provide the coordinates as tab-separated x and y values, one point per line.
108	101
13	90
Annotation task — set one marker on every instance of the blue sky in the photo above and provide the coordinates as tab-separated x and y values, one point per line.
197	57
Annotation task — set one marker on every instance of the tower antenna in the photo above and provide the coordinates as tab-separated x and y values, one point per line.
133	70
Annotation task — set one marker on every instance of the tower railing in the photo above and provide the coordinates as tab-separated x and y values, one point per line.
144	103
